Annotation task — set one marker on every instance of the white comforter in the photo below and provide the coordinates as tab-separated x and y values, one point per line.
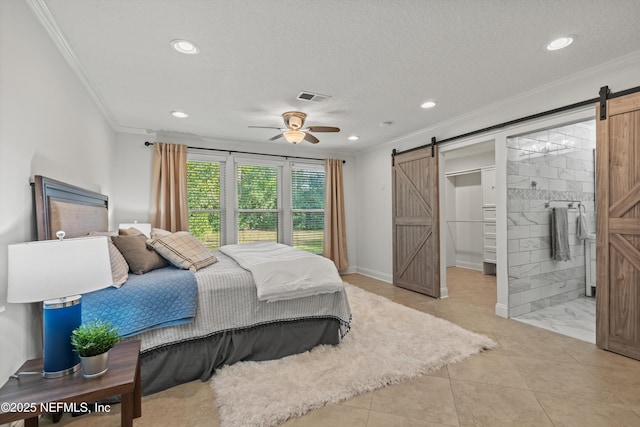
282	272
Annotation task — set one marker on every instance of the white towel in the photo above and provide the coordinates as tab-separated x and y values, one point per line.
582	231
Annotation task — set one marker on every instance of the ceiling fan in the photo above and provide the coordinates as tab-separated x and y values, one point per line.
294	131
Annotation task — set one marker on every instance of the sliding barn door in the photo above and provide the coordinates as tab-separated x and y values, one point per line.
618	227
416	256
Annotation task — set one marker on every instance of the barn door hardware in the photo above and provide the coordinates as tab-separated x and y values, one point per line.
604	95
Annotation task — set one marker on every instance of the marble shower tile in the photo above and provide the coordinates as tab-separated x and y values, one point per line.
519	258
518	231
534	243
516	181
530	270
549	172
519	285
558	162
525	169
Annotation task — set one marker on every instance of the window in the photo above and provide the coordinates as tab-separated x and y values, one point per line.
307	207
269	200
258	215
205	199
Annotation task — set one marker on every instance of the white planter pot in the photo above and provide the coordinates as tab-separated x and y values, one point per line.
94	366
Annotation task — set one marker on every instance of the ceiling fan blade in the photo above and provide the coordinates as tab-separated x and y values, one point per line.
323	129
266	127
312	139
273	138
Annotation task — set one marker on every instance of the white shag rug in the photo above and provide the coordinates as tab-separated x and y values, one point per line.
388	343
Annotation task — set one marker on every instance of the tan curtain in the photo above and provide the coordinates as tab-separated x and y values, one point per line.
335	230
169	187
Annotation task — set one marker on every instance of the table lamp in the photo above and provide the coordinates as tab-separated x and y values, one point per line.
56	272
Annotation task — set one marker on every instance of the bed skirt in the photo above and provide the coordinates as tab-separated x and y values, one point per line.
178	363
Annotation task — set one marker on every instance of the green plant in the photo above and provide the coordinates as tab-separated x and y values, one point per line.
93	338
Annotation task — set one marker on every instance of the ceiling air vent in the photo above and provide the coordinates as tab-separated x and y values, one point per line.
312	97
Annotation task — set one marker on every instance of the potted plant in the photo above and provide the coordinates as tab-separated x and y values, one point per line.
92	341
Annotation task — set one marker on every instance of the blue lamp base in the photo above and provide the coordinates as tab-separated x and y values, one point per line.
60	317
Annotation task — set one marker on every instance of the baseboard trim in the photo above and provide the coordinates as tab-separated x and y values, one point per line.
349	270
374	274
469	265
502	310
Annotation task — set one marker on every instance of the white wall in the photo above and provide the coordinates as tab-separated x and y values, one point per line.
131	183
373	200
132	176
49	126
374	166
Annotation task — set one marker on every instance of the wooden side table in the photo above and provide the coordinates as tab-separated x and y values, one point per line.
122	378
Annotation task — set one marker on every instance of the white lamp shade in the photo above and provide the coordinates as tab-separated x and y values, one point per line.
144	227
50	269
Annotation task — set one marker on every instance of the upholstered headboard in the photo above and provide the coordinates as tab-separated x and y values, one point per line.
74	210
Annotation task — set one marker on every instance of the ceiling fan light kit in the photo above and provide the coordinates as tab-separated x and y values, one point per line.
294	133
293	136
294	119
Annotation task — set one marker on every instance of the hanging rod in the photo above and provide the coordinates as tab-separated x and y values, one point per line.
571	202
147	143
604	94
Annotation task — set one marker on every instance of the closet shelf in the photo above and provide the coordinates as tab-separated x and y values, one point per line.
462	172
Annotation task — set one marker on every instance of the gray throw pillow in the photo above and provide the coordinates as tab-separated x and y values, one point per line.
140	258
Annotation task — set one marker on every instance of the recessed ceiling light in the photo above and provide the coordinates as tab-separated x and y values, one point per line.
429	104
560	43
354	138
185	46
179	114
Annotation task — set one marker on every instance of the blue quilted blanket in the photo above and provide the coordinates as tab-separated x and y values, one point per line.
157	299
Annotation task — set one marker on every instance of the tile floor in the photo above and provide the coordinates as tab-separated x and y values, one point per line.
536	378
575	318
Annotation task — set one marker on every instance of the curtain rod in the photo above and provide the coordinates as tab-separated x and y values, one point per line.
604	95
147	143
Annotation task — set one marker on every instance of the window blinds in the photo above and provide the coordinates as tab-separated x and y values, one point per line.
205	194
258	215
307	207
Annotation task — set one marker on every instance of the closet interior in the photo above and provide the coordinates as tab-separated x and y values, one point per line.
470	214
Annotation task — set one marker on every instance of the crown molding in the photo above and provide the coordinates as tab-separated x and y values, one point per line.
44	15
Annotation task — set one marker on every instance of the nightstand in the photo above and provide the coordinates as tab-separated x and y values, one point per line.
122	378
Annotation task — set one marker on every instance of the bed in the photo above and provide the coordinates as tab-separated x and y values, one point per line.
230	324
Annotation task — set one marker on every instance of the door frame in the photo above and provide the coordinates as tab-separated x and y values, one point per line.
500	146
442	151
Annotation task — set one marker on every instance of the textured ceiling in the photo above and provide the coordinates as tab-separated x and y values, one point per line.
377	59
